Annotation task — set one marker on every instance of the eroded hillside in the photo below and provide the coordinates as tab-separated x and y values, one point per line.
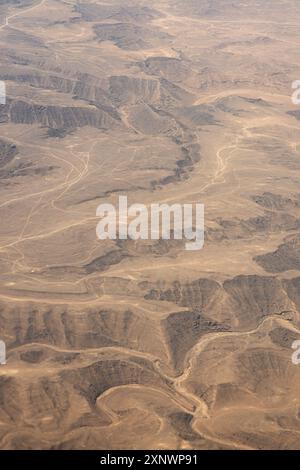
140	344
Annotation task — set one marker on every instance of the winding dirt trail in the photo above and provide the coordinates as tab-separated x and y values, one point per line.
19	13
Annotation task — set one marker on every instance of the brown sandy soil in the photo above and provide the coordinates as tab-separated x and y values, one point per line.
127	345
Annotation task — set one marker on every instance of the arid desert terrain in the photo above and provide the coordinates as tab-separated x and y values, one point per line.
123	344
